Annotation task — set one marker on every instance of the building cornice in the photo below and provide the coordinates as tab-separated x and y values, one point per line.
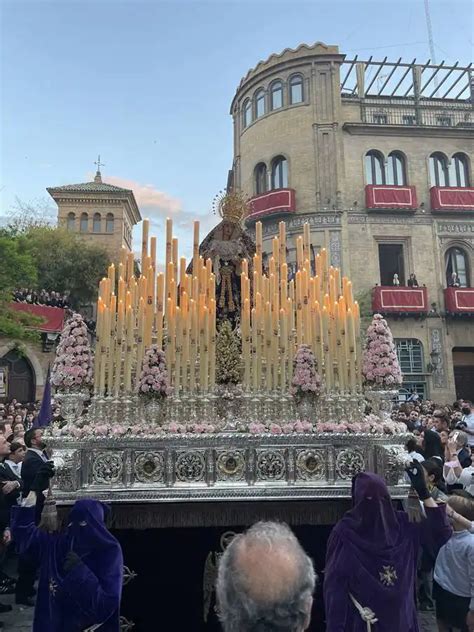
421	131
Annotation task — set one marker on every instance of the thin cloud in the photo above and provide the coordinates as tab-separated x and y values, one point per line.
157	203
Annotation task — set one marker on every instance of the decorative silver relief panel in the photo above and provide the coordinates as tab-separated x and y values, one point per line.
107	467
311	464
439	374
230	465
68	470
271	465
349	462
391	460
149	467
190	466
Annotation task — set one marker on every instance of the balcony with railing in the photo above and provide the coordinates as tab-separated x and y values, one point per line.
276	202
459	301
403	301
408	94
390	197
459	199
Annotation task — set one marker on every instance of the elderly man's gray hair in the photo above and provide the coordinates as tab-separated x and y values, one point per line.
265	581
462	438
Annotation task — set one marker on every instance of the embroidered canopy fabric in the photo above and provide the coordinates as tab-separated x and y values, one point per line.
53	317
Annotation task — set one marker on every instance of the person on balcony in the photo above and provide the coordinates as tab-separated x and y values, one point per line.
413	281
455	282
396	280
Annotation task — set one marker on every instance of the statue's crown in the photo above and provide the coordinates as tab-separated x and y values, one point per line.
232	206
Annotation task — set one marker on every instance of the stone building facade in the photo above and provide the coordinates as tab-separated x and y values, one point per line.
377	157
100	213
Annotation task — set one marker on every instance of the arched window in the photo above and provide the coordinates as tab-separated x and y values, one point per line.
261	179
439	176
296	89
71	221
396	169
374	168
458	171
457	263
247	112
96	223
84	223
109	223
279	173
276	95
259	103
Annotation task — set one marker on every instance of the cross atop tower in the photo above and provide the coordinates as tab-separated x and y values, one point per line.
98	176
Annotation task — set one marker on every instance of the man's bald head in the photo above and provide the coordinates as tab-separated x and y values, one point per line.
265	581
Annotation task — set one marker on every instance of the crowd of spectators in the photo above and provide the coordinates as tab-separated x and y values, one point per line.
441	447
17	421
42	297
443	443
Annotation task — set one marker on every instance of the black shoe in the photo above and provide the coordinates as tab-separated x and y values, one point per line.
5	608
24	601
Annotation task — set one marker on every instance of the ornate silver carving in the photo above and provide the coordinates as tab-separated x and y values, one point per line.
149	467
107	467
439	374
349	462
190	466
72	404
230	465
128	575
310	464
335	249
271	465
68	467
392	463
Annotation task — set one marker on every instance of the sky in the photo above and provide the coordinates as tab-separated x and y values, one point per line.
148	86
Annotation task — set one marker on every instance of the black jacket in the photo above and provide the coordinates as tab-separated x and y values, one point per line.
464	457
7	474
29	470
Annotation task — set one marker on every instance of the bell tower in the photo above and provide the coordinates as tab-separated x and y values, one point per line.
100	213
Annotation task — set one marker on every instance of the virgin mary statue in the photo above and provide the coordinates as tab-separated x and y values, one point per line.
227	245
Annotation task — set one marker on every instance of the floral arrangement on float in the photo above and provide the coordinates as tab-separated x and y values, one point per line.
306	382
153	383
370	425
72	373
380	367
72	367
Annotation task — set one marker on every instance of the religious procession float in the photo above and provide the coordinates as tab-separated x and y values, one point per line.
225	378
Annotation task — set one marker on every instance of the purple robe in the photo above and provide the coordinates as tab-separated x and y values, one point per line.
371	555
89	594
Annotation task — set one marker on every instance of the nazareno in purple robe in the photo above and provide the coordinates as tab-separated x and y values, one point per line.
89	594
371	554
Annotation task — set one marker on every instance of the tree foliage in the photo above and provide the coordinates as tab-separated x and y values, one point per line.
65	263
17	269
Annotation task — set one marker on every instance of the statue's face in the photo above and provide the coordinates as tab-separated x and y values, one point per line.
227	230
